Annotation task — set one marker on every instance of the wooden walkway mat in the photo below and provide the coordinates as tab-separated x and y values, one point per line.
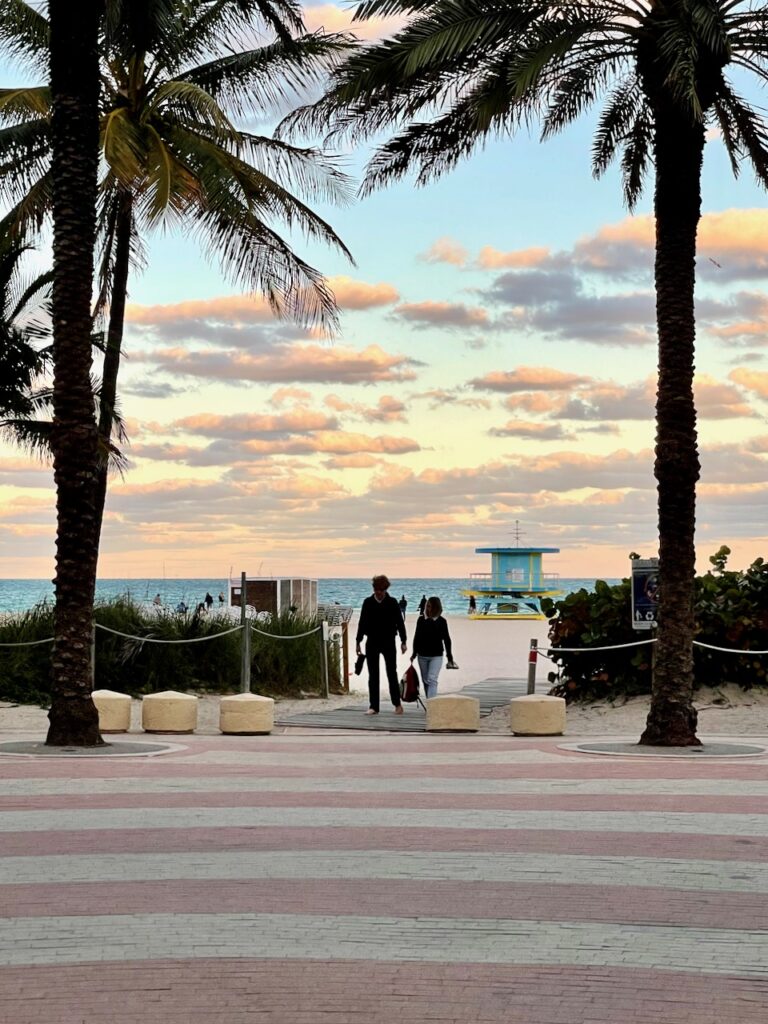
492	693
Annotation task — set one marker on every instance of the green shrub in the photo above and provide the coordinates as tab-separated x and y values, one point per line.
131	664
731	611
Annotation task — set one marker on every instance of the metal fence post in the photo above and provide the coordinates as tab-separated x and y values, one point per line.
324	656
533	655
245	642
93	656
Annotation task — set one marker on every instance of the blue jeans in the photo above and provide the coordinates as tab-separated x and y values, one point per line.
429	669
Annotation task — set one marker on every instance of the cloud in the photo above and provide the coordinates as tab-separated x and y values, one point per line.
532	431
438	397
528	378
255	425
446	250
298	396
491	259
351	294
331	18
442	314
296	363
752	380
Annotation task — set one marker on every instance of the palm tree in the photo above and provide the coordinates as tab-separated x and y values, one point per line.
23	330
74	86
172	155
464	71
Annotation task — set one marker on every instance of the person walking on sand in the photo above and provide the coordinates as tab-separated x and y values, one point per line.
222	598
380	620
208	601
428	641
157	600
422	604
472	604
403	603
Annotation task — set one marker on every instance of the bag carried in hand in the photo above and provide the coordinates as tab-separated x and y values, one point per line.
409	686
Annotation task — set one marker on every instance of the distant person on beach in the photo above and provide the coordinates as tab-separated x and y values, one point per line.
222	598
472	604
422	604
201	609
380	620
208	601
429	640
181	608
403	603
157	600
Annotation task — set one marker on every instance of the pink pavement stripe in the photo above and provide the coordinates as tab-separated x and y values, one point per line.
455	801
344	992
573	768
350	897
203	840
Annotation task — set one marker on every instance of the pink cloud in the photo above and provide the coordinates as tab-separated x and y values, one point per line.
446	250
336	19
351	294
528	378
492	259
315	363
247	425
443	314
752	380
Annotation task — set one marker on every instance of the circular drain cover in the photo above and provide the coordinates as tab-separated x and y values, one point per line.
714	749
36	748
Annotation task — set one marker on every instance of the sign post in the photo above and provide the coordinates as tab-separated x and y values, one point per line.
645	592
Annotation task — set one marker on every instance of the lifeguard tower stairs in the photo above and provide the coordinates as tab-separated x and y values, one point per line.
515	585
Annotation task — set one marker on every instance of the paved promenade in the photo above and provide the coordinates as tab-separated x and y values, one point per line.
331	879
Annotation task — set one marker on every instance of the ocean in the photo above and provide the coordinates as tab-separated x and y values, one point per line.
18	595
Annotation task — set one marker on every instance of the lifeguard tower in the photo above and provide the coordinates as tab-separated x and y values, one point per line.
515	585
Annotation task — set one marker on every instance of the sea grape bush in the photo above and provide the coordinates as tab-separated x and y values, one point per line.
731	612
279	668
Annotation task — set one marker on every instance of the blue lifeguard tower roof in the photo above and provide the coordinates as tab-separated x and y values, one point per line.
516	551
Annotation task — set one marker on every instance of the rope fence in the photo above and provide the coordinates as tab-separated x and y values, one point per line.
245	672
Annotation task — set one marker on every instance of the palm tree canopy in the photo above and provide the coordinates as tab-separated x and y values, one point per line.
23	328
464	71
168	97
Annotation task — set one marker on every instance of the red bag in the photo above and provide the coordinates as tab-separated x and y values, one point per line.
409	686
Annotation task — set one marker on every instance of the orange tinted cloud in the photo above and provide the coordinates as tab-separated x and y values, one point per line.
446	250
351	294
752	380
336	19
492	259
528	378
316	363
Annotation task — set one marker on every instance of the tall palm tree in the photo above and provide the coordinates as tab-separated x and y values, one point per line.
462	71
74	86
172	154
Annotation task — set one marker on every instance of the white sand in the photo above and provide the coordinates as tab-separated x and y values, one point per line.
486	649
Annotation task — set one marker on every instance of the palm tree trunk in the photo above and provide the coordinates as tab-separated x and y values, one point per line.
74	161
679	148
123	235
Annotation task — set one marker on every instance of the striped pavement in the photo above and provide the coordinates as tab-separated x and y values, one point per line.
414	879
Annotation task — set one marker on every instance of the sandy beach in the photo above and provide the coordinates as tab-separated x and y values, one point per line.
486	649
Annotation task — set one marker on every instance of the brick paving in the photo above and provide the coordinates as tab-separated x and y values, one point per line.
383	879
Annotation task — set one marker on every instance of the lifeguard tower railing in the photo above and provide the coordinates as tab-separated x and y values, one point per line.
514	580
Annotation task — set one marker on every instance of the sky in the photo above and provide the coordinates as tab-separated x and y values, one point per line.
495	365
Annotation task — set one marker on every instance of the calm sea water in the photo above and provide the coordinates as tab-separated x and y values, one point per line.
18	595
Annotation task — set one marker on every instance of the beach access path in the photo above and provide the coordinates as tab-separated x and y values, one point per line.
383	879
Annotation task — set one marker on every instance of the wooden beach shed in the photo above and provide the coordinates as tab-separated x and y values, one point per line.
276	594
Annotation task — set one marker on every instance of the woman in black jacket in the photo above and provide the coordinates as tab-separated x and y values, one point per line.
429	640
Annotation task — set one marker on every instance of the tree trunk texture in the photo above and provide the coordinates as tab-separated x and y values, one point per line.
119	294
74	161
679	148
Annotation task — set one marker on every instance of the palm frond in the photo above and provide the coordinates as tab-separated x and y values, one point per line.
615	123
24	103
637	153
266	79
24	32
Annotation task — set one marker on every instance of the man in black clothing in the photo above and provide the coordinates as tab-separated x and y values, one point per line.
380	620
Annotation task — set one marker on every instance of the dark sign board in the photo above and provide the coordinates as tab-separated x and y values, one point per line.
645	592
